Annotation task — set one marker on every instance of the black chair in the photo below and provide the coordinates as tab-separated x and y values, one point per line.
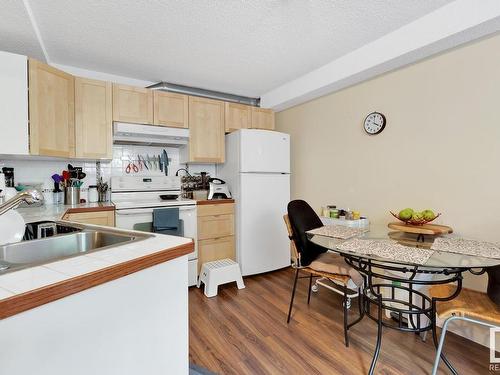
316	261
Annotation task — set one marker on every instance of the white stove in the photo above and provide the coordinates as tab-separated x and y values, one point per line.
135	198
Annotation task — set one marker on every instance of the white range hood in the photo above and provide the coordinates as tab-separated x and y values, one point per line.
149	135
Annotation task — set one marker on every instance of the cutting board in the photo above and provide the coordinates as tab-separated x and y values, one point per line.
430	229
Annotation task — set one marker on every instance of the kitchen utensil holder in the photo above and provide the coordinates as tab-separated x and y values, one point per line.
71	195
103	196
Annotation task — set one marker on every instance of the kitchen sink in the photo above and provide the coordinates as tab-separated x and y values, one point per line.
35	252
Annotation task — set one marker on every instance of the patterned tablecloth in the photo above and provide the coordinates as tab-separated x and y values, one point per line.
467	247
338	231
387	249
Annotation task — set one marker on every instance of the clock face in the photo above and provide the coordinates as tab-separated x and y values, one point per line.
374	123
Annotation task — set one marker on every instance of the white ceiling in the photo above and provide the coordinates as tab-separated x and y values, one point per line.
242	47
16	32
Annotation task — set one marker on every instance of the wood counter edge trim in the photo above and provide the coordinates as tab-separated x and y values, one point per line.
214	201
37	297
79	210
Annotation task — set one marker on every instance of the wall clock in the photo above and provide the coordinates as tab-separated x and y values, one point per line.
374	123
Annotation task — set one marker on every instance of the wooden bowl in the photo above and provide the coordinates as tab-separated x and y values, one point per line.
414	222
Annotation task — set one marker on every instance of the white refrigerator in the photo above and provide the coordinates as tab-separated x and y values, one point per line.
257	170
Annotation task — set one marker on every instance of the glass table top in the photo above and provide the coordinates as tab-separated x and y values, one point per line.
438	259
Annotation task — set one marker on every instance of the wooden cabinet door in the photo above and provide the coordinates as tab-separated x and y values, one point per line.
132	104
237	116
171	109
93	119
215	226
206	130
51	111
104	218
262	118
215	249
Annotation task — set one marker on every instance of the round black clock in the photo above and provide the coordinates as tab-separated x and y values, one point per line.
374	123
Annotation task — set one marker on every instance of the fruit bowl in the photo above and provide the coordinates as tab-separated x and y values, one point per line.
414	221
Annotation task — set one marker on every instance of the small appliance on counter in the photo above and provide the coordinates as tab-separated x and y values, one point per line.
218	189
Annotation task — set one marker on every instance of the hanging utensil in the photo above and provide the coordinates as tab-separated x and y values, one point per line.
160	163
165	161
144	162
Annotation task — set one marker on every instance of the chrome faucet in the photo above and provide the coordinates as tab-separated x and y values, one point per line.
28	196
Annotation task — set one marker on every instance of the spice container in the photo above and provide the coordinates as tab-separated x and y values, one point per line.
93	195
334	213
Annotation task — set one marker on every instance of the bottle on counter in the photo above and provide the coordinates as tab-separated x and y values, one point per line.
334	212
57	194
93	195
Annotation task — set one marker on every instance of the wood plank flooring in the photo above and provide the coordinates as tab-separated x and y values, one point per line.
245	332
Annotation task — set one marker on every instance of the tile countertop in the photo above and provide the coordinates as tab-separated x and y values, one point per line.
64	277
53	212
214	201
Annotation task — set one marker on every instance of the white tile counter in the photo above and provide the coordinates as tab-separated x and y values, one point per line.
29	279
53	212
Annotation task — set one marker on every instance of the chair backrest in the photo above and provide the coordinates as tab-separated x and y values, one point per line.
303	218
293	249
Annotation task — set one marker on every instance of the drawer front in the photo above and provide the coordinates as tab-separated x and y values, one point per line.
216	209
215	249
215	226
105	218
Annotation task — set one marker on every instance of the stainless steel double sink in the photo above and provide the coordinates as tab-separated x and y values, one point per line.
80	240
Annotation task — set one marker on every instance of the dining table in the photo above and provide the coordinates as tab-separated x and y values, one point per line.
397	268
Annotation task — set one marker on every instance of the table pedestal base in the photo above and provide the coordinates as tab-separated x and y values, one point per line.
384	292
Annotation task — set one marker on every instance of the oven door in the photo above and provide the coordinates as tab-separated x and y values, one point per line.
142	219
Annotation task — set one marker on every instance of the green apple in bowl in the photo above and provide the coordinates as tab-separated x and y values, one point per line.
417	216
406	214
428	215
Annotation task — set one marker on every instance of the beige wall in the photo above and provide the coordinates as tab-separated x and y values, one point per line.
440	148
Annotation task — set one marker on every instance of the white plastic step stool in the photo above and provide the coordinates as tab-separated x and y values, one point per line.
217	273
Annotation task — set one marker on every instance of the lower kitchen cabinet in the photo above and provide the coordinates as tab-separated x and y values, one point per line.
214	249
215	232
105	218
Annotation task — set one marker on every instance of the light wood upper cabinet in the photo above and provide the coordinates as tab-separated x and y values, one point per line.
171	109
132	104
51	111
237	116
93	119
206	130
262	118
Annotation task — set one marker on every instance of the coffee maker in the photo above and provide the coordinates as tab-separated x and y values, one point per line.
218	189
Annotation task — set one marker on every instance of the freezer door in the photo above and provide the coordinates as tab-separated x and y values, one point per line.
264	151
262	239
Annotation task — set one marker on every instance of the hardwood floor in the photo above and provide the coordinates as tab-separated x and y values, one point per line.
245	332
